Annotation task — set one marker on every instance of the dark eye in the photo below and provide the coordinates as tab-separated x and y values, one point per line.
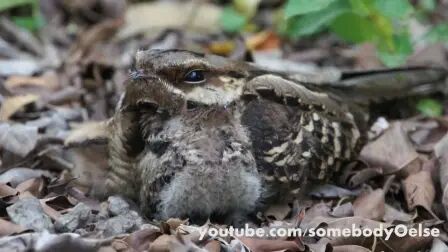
194	76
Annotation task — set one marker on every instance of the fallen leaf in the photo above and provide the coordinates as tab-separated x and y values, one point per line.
263	245
350	248
419	190
18	175
140	240
393	215
392	151
19	67
344	210
364	175
88	132
9	228
278	212
97	33
180	243
15	103
49	81
331	191
441	152
158	15
162	243
370	205
213	246
35	186
265	40
438	246
7	191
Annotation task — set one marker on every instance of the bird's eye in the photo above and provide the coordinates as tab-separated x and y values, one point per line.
194	76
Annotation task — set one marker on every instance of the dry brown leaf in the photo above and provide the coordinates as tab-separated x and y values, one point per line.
120	245
162	243
350	248
265	40
370	205
15	103
140	240
321	246
278	212
158	15
318	210
7	191
425	134
364	175
35	186
263	245
348	222
213	246
87	132
407	243
102	31
48	81
438	246
174	223
344	210
55	205
392	151
181	243
393	215
9	228
441	152
419	190
332	191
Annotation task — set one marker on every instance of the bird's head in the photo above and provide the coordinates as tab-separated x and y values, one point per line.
178	80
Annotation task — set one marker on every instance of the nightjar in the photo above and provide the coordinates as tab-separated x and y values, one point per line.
199	135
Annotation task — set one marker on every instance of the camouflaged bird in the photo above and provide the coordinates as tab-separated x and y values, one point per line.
200	135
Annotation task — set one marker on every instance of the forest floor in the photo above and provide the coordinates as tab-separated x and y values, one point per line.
59	83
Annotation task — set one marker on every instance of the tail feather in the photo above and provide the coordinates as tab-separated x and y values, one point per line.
388	84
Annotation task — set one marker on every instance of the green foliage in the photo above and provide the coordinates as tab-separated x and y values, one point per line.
430	107
231	20
299	7
382	22
315	21
32	22
438	33
356	21
235	17
402	49
394	8
8	4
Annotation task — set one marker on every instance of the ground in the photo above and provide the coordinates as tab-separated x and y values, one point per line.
61	77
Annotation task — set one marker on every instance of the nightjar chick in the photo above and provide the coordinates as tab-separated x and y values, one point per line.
201	136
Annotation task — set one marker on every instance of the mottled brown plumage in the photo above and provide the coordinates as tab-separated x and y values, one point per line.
200	135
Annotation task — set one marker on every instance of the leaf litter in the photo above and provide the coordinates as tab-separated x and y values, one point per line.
59	87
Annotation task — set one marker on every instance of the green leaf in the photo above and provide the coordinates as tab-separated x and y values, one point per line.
231	20
394	8
299	7
353	28
428	5
8	4
362	8
398	56
430	107
438	33
30	23
316	21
